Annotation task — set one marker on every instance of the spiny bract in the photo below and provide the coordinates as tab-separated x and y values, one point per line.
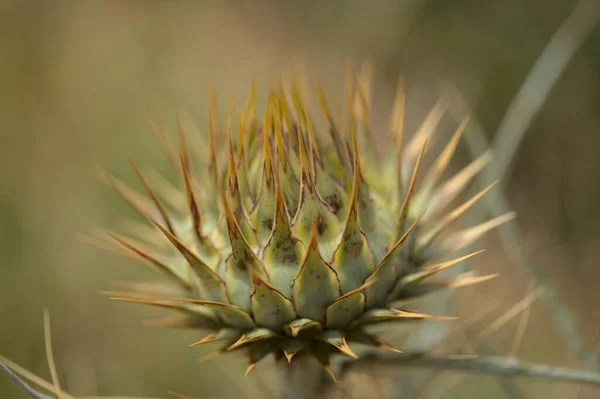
296	242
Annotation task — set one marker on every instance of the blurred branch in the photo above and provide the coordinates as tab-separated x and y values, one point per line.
512	239
541	79
508	386
485	364
526	104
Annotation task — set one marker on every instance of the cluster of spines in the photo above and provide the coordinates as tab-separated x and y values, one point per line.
259	222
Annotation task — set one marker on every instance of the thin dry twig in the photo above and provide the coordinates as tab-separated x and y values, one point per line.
28	375
32	393
15	372
50	355
12	369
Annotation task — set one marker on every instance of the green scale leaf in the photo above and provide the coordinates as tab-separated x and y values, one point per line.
383	278
269	307
328	188
345	309
312	205
353	259
284	168
242	258
283	252
210	284
316	284
262	214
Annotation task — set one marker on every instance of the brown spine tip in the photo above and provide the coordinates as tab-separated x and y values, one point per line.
250	114
305	164
313	240
233	178
277	127
249	369
285	112
182	141
356	159
288	355
433	269
329	370
353	205
344	133
406	234
312	140
212	337
280	205
240	135
409	193
267	127
338	140
323	103
345	348
192	203
187	253
229	216
212	134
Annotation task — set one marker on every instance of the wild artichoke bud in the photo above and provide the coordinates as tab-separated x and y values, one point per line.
290	240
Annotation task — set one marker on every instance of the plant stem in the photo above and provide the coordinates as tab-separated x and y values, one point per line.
485	364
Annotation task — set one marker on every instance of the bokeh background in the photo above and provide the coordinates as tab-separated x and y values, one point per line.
76	80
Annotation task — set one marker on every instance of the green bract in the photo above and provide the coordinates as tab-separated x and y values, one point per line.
287	240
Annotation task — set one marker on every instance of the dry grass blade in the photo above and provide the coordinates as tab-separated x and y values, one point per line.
28	375
50	355
13	371
32	393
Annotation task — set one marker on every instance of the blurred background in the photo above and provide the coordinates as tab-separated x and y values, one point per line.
76	79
